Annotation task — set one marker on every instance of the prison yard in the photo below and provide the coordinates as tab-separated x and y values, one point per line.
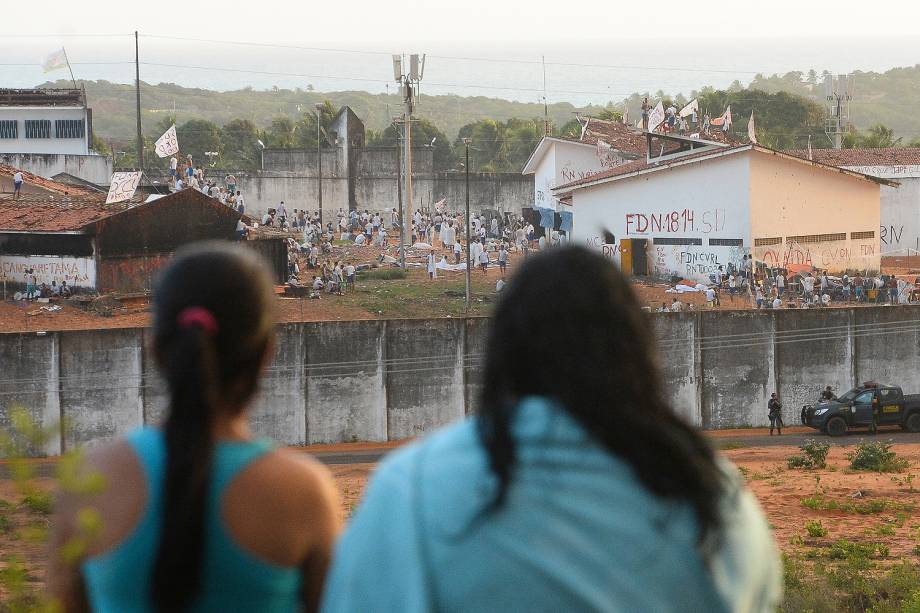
850	537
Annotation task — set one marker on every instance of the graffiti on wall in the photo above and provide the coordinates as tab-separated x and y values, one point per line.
891	234
78	272
669	222
833	256
693	262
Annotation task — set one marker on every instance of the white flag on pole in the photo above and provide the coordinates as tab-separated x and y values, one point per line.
656	117
123	186
56	60
168	144
692	107
752	132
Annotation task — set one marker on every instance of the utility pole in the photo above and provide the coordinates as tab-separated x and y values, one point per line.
466	223
545	107
838	93
409	83
137	91
319	165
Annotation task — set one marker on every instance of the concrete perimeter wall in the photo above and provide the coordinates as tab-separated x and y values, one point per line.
386	380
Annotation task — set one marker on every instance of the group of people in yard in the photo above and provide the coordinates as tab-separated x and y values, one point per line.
779	288
34	289
189	176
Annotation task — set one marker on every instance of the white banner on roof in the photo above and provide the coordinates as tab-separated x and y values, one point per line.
656	117
168	144
692	107
123	186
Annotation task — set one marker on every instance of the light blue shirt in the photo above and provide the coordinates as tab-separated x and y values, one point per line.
578	532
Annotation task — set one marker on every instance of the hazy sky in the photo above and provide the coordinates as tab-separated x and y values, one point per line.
357	21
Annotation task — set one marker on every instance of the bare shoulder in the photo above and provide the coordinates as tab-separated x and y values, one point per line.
292	476
294	467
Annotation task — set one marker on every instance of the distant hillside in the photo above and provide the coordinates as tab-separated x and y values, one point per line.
879	98
113	107
887	98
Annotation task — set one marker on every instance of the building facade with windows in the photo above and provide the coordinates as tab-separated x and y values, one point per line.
689	214
45	121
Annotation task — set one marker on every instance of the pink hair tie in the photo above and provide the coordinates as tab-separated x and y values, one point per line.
197	317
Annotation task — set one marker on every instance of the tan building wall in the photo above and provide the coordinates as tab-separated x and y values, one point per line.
824	218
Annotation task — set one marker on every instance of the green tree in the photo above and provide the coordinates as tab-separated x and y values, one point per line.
196	136
500	146
610	114
571	129
305	129
280	133
241	145
100	146
878	137
424	133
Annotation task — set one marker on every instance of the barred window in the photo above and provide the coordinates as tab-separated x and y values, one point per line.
9	128
726	242
678	241
766	242
38	128
817	238
68	128
856	235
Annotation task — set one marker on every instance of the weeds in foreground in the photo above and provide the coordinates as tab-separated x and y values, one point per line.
818	502
850	583
876	457
815	529
21	591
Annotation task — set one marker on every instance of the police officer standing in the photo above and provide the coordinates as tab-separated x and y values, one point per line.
775	408
827	394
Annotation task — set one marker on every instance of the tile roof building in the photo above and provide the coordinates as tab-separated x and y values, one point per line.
899	231
61	233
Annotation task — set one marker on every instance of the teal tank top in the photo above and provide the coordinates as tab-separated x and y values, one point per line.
232	579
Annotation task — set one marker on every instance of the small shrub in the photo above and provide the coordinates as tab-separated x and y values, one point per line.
814	455
884	530
876	457
383	274
6	526
815	529
38	502
844	549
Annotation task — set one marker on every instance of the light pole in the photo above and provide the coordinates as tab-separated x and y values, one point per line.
319	164
466	223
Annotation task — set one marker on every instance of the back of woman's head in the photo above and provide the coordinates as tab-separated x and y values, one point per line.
568	328
213	324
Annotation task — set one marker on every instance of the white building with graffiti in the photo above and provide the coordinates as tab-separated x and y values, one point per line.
687	213
899	231
601	146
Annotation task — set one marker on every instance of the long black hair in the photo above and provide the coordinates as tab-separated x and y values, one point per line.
568	327
213	324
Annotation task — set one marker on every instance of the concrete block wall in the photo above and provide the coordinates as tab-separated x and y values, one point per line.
387	380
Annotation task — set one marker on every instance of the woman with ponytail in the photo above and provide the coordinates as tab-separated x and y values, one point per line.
199	515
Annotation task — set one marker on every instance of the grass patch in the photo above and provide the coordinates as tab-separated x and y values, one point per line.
814	455
870	507
382	274
731	445
38	502
876	457
6	525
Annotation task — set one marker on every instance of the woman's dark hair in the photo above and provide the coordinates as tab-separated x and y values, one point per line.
213	323
568	328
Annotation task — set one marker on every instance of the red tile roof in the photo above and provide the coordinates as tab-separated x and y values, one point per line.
53	186
890	156
614	133
41	213
640	165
